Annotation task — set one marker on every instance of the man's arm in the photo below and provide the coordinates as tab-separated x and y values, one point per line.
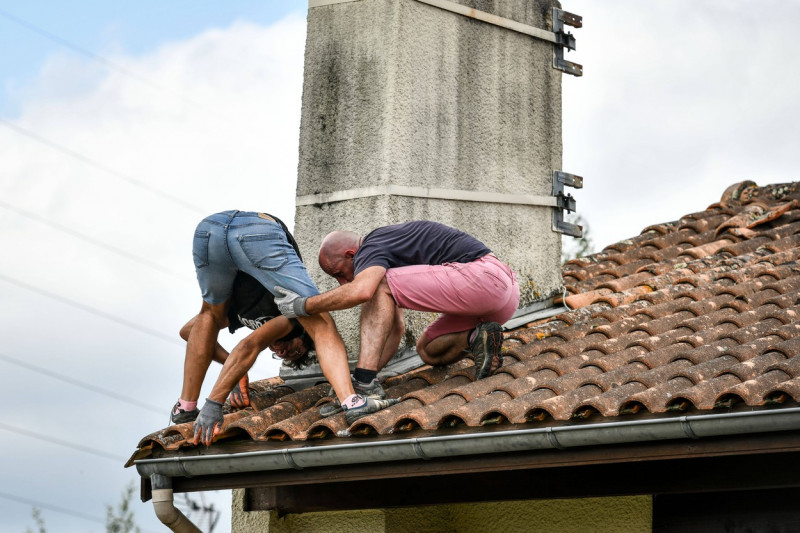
348	295
245	353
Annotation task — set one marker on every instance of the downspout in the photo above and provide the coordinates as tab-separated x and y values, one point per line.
165	509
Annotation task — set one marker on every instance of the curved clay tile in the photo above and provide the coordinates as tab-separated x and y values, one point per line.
754	391
706	352
527	366
617	376
670	319
789	348
705	250
435	392
293	428
170	438
655	399
704	395
660	229
584	299
628	282
665	355
608	403
516	410
732	195
332	425
756	366
526	384
479	388
400	390
476	412
749	246
709	369
383	422
429	416
662	374
607	363
789	366
308	397
562	407
256	424
790	387
266	392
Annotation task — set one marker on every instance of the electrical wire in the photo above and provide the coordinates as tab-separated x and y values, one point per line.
52	440
92	310
80	384
42	505
50	507
105	62
91	240
91	162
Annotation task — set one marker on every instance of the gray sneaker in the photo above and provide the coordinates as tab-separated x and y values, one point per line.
179	416
485	347
372	405
373	389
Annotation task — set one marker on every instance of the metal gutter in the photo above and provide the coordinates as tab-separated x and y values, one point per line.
523	440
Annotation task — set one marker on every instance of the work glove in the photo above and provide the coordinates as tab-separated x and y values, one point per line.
292	305
208	422
239	397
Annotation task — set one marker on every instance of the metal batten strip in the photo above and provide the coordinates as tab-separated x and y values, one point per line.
426	192
493	19
469	12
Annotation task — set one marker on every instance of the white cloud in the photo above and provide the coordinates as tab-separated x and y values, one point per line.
678	101
215	124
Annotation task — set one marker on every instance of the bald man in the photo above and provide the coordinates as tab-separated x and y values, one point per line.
419	265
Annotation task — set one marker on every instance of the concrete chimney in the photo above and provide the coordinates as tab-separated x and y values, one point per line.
418	109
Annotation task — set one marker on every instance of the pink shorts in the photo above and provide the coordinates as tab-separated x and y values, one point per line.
484	290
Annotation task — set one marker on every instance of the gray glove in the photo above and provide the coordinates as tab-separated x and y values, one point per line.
292	305
209	419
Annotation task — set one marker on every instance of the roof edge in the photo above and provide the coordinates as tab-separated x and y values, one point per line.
523	440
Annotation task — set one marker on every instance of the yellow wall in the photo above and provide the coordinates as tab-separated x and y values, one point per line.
630	514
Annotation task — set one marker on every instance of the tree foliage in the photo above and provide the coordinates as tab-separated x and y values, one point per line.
572	247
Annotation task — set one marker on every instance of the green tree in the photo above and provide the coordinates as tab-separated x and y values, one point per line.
118	520
121	519
575	247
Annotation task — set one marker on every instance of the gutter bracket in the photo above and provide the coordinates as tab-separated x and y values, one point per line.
687	428
551	436
565	201
287	456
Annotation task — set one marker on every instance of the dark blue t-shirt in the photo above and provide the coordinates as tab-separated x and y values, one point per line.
417	243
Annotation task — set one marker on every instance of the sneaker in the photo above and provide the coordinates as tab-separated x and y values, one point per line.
330	408
485	347
373	389
372	405
179	416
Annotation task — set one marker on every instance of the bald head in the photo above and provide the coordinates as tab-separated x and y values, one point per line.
336	254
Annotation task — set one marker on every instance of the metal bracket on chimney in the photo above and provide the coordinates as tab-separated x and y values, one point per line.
560	180
565	40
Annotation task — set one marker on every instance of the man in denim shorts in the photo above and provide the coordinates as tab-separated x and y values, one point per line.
258	245
419	265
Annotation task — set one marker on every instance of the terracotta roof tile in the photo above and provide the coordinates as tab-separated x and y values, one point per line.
701	313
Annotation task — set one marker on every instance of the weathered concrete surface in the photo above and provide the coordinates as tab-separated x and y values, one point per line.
399	92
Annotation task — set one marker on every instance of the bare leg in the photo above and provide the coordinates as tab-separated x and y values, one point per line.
220	353
380	329
200	348
330	352
443	350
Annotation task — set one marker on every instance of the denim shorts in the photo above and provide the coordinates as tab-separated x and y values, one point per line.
234	241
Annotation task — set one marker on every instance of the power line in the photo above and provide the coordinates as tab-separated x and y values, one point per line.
82	385
92	310
104	61
91	162
50	507
52	440
90	240
34	503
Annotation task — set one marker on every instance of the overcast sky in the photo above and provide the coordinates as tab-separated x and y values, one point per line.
122	125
